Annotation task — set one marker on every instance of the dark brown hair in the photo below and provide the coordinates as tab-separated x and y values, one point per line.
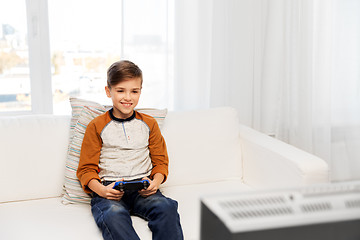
121	70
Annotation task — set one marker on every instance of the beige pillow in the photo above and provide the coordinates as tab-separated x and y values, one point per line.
73	192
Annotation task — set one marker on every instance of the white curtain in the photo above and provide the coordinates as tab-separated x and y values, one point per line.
290	68
214	55
310	52
345	90
294	76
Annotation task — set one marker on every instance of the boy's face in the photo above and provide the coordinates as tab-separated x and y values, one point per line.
125	96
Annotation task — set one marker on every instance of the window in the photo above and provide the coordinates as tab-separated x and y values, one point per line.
79	43
85	43
14	58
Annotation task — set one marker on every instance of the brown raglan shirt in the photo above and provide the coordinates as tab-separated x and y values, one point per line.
128	149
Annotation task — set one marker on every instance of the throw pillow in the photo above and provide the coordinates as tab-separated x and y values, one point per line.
158	114
73	192
77	106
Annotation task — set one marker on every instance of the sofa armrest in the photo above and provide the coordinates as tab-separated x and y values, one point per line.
268	162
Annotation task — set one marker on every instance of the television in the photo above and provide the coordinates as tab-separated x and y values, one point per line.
318	212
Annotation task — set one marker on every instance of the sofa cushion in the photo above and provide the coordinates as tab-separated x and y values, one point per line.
45	219
72	187
77	105
49	219
203	146
32	156
189	196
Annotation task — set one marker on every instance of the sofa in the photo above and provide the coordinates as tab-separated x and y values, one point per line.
210	153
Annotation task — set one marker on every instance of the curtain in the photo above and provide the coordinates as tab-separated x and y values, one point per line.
294	78
213	55
290	68
345	89
310	52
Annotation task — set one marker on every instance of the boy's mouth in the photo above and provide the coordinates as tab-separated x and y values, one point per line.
126	104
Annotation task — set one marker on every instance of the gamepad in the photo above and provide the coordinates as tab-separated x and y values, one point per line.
131	185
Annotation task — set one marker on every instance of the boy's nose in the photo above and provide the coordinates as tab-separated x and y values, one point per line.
127	96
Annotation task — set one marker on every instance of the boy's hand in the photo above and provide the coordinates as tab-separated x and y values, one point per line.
154	185
112	194
105	191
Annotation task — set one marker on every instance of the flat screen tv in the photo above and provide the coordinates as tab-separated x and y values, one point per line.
319	212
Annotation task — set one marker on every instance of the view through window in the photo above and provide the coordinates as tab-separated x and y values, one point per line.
14	57
86	38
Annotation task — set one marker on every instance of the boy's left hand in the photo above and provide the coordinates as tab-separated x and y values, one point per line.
154	185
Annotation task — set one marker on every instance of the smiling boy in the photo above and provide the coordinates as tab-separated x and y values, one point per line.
123	144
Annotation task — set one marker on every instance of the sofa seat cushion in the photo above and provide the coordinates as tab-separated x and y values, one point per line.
47	219
189	196
50	219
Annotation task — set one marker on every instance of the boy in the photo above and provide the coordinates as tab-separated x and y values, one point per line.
123	144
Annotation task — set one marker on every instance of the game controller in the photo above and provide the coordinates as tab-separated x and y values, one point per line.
131	185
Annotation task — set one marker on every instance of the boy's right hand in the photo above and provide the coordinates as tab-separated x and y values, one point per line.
105	191
110	193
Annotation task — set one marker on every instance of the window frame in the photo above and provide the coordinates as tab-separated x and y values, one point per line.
39	59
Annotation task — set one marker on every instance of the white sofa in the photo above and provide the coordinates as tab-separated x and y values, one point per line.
210	153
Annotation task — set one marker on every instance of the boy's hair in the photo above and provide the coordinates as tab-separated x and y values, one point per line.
121	70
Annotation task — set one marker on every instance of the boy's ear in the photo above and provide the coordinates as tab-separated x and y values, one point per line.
107	90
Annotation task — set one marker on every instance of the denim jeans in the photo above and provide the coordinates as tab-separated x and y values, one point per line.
113	217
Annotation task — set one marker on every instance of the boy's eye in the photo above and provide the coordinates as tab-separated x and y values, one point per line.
122	91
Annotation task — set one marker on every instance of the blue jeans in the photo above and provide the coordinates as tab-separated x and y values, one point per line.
113	217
